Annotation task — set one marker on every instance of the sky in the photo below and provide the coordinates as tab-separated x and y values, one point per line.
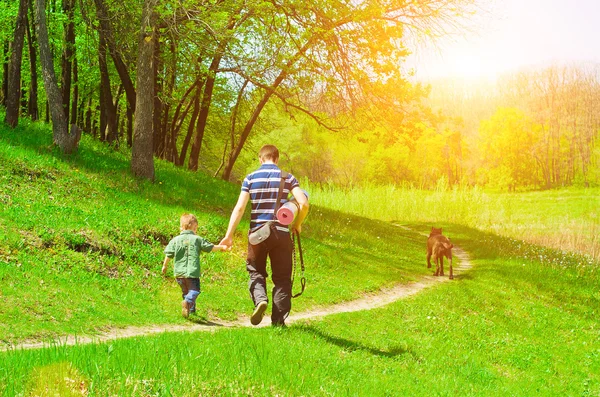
513	35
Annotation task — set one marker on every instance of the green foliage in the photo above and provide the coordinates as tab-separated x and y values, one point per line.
512	146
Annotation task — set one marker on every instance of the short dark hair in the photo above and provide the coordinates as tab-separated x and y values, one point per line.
269	152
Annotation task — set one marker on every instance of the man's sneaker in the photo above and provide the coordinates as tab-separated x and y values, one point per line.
259	313
185	309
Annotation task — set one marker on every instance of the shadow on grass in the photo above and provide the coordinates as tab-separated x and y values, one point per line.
353	346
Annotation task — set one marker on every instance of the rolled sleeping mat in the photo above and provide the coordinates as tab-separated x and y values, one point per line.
287	212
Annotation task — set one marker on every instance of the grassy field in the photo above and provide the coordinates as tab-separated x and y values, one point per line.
81	243
565	219
81	247
510	326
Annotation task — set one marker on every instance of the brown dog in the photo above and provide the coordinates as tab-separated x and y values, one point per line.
439	246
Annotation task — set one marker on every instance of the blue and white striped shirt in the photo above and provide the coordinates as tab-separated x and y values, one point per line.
263	186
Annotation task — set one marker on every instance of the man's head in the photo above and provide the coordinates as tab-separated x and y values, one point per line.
268	153
188	222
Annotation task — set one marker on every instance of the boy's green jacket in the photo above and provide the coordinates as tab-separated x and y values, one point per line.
185	249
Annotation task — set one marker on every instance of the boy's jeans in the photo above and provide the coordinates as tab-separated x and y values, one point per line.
190	289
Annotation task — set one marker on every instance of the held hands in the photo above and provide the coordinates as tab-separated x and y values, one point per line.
224	247
227	242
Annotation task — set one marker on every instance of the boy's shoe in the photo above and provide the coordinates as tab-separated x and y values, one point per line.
259	313
185	309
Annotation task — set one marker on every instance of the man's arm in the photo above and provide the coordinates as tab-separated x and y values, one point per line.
303	208
236	217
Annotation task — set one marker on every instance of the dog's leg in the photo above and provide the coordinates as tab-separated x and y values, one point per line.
441	265
428	260
437	266
451	273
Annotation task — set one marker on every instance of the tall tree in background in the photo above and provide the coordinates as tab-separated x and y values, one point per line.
32	102
107	30
65	139
68	7
14	70
108	113
142	156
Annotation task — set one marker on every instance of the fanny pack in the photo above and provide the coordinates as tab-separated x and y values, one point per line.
260	234
263	232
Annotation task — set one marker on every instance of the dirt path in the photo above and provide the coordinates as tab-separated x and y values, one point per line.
370	301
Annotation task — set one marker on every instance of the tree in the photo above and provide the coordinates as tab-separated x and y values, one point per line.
512	149
65	139
142	160
68	54
14	70
32	102
332	56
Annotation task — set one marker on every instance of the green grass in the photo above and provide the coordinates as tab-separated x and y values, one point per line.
510	326
81	249
565	219
81	243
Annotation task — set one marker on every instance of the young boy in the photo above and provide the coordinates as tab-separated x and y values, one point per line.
186	249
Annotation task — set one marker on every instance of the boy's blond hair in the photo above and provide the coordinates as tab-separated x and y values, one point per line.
188	222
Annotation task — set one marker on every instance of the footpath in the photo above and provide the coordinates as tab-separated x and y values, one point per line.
368	302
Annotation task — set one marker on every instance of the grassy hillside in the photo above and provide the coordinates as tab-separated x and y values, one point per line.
513	325
81	243
81	247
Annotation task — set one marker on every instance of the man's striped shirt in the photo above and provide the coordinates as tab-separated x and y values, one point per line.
263	186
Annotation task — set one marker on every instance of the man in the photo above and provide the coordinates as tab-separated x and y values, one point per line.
261	187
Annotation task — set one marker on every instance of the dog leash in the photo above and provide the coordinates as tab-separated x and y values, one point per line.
302	278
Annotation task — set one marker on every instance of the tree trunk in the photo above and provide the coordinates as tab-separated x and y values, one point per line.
142	160
5	72
178	119
14	70
67	141
234	115
204	109
108	117
75	100
88	116
67	57
32	106
250	124
190	132
129	126
23	98
158	104
207	97
283	74
102	118
106	26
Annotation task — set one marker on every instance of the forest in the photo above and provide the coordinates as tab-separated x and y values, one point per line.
203	84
